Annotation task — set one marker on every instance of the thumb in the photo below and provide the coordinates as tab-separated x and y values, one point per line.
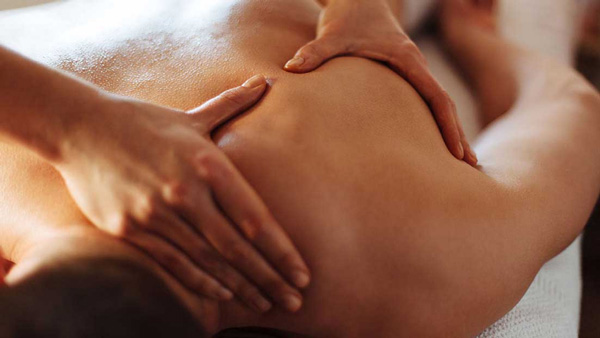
228	104
314	54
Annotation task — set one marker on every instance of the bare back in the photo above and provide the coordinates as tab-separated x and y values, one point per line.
348	158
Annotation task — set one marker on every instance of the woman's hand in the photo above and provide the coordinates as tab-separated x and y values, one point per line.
152	176
368	28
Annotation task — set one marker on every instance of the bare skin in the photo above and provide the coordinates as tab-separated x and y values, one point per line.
372	29
402	239
176	199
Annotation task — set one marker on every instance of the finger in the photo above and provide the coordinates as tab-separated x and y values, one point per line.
434	95
224	237
204	255
315	53
229	104
470	156
245	208
179	265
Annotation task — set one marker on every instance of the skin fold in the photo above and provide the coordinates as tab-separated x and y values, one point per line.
402	239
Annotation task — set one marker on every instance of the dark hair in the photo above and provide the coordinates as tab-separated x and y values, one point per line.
256	332
93	298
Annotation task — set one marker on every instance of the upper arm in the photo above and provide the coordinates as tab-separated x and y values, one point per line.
539	182
546	155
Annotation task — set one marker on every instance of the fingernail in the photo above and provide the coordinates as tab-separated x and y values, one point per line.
297	61
225	294
462	149
255	81
261	304
474	155
292	302
300	279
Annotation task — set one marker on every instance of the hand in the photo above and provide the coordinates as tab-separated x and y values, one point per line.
368	28
152	176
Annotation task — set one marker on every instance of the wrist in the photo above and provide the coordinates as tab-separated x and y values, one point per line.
40	107
69	120
81	125
394	6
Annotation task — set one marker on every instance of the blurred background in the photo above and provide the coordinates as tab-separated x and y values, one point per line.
588	63
10	4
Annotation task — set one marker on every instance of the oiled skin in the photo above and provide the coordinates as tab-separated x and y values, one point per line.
401	238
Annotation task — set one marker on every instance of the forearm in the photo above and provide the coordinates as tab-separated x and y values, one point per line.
39	105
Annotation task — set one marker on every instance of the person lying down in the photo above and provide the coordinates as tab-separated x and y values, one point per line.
401	237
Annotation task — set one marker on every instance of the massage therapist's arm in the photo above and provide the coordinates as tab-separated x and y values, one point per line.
152	176
371	29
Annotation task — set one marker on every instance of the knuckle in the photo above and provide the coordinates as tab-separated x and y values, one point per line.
204	165
210	260
234	97
147	210
439	101
236	252
248	291
122	226
175	193
207	158
170	261
452	105
411	73
252	228
200	283
410	47
311	50
409	55
442	94
212	166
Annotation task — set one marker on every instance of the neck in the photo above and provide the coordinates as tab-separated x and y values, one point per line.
16	241
32	251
